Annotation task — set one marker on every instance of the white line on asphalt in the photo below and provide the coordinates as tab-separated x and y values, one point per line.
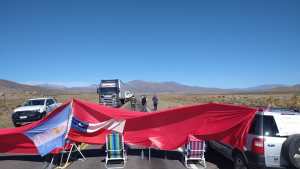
193	166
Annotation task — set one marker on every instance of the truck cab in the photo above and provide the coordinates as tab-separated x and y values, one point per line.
113	93
109	92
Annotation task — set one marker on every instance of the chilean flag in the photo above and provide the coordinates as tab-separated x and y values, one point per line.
111	124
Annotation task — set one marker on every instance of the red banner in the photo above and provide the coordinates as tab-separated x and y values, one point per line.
166	130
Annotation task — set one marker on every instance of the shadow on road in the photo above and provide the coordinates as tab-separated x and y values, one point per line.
33	158
171	155
93	152
217	159
211	156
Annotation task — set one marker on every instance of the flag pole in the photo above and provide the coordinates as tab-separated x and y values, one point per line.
70	116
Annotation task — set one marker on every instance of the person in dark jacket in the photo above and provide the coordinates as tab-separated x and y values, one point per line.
133	103
155	102
144	104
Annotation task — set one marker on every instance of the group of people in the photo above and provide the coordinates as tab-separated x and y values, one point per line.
144	103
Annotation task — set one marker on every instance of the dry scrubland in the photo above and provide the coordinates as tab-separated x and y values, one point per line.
166	101
291	101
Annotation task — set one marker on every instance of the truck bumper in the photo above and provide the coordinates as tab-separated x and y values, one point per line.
256	161
17	120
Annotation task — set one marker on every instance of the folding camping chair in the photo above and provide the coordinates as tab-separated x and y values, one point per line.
115	151
70	147
194	151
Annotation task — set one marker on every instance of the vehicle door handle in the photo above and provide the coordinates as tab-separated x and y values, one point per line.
271	145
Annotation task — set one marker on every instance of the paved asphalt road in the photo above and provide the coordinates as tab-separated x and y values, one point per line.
22	162
95	156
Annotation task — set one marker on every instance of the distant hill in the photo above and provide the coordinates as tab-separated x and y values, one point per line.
90	88
169	87
140	86
294	88
272	89
264	87
174	87
52	86
11	87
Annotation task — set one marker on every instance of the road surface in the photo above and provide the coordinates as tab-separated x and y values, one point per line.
23	162
95	156
159	160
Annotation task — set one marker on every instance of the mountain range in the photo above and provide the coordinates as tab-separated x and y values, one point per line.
7	86
140	86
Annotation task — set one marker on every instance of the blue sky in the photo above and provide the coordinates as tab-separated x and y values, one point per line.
211	43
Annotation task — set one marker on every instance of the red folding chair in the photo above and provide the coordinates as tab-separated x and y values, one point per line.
194	151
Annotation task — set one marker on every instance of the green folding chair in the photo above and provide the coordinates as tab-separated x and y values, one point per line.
115	152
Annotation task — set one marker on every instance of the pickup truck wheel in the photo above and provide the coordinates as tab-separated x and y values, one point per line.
17	125
292	150
43	115
239	162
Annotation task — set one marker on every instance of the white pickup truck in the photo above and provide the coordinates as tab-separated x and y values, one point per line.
273	142
33	110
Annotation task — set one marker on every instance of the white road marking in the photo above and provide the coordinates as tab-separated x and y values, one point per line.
193	166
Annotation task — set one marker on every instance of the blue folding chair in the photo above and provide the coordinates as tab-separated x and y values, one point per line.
115	151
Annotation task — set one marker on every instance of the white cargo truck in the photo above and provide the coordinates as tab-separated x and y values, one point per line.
113	93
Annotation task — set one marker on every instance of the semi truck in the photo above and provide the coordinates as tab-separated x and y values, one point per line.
113	92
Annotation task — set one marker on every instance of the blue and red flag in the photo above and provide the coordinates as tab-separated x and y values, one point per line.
52	133
41	137
85	127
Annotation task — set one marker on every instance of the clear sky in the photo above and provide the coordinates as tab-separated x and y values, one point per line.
210	43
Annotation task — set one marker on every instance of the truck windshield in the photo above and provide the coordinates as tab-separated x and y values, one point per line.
108	91
34	102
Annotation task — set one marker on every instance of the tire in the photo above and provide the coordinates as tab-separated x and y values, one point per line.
292	150
17	125
239	162
43	115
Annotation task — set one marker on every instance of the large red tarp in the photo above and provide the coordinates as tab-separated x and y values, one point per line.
166	130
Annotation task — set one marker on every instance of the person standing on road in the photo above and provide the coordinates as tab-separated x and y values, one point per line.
144	104
133	103
155	102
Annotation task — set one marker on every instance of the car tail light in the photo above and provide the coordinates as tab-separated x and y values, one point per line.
258	146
